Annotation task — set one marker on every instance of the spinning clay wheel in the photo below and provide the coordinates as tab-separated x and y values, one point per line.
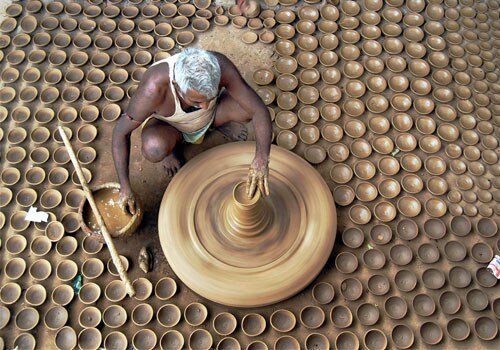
246	252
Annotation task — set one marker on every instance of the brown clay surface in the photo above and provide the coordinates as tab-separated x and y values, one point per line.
468	69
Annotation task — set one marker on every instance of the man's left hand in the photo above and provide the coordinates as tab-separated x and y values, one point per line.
258	176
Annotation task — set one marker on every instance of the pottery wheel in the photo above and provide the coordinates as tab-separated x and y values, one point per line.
242	252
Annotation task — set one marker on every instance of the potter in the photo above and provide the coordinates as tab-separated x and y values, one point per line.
179	99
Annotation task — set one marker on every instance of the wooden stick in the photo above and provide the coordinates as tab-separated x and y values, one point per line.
107	237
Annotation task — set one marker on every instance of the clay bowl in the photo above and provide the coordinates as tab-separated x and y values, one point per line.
485	328
433	278
15	155
142	314
50	199
225	323
455	251
460	226
353	237
434	228
308	76
171	339
40	246
66	246
286	65
374	259
116	340
367	314
195	314
486	227
309	134
360	148
378	285
66	338
143	288
25	341
346	262
66	270
423	305
353	128
283	320
435	207
114	316
165	288
428	253
481	253
5	196
401	254
112	268
56	317
315	154
253	324
91	246
351	289
402	336
10	293
431	333
364	169
168	315
17	222
380	234
341	316
62	294
93	268
40	269
495	305
286	82
200	339
366	192
89	338
346	340
16	135
27	319
16	57
459	277
477	299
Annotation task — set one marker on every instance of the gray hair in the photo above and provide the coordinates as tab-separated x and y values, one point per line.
198	70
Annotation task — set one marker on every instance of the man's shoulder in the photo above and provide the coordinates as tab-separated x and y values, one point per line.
157	74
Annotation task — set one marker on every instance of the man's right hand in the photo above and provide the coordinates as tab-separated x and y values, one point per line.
127	200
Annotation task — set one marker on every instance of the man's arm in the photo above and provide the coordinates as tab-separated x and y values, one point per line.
142	104
248	99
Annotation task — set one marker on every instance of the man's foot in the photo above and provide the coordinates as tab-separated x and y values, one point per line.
234	131
172	163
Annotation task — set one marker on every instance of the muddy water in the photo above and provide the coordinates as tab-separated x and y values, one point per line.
114	217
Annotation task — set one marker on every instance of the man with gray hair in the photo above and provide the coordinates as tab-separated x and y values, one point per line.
178	99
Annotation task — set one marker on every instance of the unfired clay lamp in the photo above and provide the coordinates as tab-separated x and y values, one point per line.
246	252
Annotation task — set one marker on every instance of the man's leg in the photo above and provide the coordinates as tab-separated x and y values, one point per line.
160	143
229	118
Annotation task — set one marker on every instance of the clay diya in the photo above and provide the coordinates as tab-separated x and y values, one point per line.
367	314
171	339
477	299
346	262
200	339
351	289
253	324
143	288
323	293
116	340
423	305
168	315
380	234
341	316
431	333
165	288
17	222
56	317
27	319
459	277
283	320
353	237
142	314
62	294
486	227
374	259
66	246
114	316
10	293
433	278
195	313
40	246
225	323
346	340
485	328
378	285
40	269
287	342
4	316
66	270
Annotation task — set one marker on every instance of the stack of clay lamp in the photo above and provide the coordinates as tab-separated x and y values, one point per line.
395	103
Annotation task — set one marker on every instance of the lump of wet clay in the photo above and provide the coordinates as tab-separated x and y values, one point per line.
145	260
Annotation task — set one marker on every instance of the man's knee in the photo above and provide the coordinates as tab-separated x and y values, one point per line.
155	149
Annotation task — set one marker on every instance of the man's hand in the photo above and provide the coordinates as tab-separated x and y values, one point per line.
127	200
258	175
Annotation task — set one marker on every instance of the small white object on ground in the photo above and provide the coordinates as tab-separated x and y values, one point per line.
36	216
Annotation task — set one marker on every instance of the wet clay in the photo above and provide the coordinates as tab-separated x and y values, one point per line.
114	217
